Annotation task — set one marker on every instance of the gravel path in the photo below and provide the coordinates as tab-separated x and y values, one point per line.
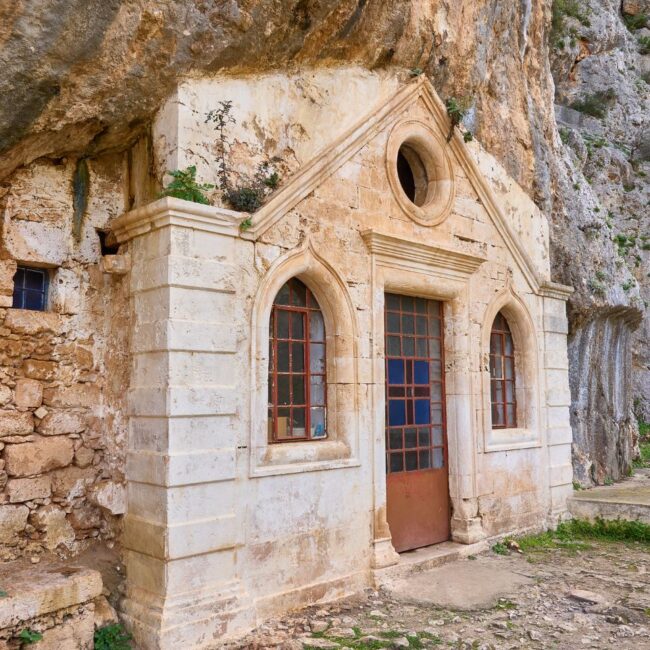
597	597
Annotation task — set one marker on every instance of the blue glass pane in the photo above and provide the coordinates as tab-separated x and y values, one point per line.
396	413
422	413
395	371
420	372
33	300
34	280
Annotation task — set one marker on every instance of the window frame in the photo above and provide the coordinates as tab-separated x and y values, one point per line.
310	308
504	336
529	380
23	290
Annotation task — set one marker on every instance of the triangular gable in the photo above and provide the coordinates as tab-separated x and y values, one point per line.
329	160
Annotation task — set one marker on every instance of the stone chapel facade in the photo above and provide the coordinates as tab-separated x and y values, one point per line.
374	361
378	363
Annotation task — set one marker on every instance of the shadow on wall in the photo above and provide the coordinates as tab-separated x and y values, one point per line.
605	431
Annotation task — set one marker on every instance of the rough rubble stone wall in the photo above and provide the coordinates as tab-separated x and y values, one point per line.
63	371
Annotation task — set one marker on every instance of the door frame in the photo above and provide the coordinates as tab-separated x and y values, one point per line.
402	268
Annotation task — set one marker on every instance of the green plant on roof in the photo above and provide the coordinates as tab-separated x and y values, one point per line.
185	186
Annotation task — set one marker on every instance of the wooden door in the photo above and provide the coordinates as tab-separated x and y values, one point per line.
417	480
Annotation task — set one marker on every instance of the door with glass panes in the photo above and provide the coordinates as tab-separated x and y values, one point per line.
417	480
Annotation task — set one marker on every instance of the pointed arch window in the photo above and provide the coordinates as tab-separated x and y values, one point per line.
297	396
502	375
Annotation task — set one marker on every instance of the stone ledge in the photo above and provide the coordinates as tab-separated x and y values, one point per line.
36	590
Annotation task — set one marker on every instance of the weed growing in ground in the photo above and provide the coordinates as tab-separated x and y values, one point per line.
500	549
617	530
505	604
112	637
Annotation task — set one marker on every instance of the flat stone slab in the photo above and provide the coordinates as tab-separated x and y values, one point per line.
34	590
629	499
467	584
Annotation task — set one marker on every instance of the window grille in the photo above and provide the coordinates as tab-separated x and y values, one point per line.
502	375
30	288
297	396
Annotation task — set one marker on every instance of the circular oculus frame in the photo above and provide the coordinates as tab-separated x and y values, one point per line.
420	172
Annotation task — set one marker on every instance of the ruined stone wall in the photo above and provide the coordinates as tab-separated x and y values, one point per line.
63	371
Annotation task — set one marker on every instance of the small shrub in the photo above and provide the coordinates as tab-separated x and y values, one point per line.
644	44
456	110
248	194
184	186
638	21
596	104
28	636
597	287
560	11
112	637
468	136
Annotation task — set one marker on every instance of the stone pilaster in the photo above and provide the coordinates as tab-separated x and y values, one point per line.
182	528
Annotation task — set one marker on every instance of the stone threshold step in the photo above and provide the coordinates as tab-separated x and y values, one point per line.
429	557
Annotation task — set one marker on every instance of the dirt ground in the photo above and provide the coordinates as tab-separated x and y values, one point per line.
590	596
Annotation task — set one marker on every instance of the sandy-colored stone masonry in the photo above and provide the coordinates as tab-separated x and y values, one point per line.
223	529
63	371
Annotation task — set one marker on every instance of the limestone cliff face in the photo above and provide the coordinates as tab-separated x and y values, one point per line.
601	224
83	79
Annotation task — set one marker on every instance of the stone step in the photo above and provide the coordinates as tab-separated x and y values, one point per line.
52	598
594	508
423	559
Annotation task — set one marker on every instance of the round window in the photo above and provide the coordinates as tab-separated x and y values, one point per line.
412	175
420	172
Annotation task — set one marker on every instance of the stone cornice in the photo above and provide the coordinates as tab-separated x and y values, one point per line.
550	289
445	260
169	211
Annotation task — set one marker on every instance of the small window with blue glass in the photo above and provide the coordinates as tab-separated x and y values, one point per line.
30	288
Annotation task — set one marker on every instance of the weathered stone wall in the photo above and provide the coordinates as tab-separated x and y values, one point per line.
223	528
62	371
502	56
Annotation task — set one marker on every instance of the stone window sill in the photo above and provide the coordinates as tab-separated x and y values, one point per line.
510	439
296	457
